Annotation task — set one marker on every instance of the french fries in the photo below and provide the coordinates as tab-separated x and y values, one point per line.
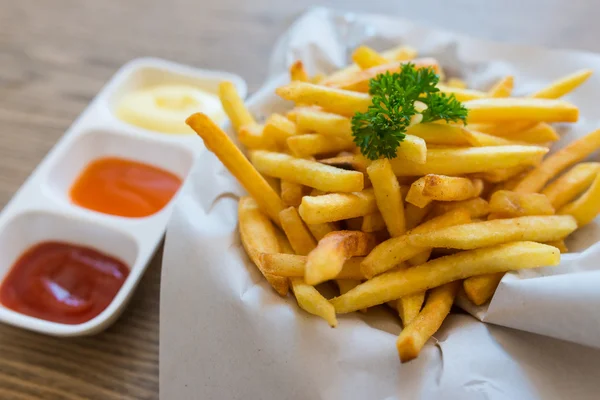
388	196
524	109
219	143
311	144
294	266
503	87
563	86
326	261
494	232
296	231
476	207
396	284
372	223
278	129
576	151
414	336
409	307
365	57
320	230
480	289
297	72
234	106
443	134
291	193
462	94
507	204
586	207
571	184
442	188
306	172
337	206
310	300
324	123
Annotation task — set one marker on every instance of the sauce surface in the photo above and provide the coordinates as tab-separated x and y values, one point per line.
164	108
62	282
123	187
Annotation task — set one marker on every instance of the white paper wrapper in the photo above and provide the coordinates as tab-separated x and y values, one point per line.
226	335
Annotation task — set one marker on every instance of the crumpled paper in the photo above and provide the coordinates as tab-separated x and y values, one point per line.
226	335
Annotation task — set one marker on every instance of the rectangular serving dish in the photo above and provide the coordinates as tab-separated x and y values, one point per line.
41	209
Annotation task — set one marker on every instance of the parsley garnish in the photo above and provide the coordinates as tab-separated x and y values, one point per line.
379	131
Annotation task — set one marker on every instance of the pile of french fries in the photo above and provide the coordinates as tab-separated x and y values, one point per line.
457	208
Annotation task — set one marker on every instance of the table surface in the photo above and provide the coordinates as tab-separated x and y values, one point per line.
54	57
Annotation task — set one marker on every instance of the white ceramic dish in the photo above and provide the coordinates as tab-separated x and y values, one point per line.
41	209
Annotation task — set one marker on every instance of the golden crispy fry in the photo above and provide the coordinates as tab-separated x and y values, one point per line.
444	134
480	139
291	193
310	300
415	215
234	106
409	307
297	72
345	285
563	86
509	204
412	149
311	144
292	265
436	309
365	57
259	236
502	88
320	230
306	172
394	251
571	184
372	223
490	233
502	174
520	109
536	134
462	94
576	151
253	137
337	206
339	101
326	261
476	207
284	244
396	284
480	289
328	124
219	143
358	81
352	163
297	233
420	258
586	207
456	83
388	196
442	188
459	161
278	129
559	244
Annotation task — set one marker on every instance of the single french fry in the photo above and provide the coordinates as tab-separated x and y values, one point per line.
337	206
396	284
388	196
291	193
563	86
253	137
497	231
345	285
284	244
460	161
520	109
310	300
412	338
292	265
409	307
326	261
413	149
571	184
320	230
415	215
352	163
443	134
394	251
481	139
296	231
442	188
339	101
502	88
456	83
310	144
420	258
536	134
476	207
372	223
576	151
462	94
297	72
480	289
559	244
234	106
587	206
325	123
258	236
219	143
365	57
306	172
278	129
502	174
512	204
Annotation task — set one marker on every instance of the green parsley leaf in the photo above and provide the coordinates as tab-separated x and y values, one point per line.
379	131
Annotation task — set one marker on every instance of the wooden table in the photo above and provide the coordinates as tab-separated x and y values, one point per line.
54	57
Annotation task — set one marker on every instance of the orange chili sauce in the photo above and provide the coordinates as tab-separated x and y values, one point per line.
62	282
123	187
